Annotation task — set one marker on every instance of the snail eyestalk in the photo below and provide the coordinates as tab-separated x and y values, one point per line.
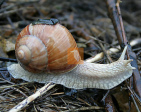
21	54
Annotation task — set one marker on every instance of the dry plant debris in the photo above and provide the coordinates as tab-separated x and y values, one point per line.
92	28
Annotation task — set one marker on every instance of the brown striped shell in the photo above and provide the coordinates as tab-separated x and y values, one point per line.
47	48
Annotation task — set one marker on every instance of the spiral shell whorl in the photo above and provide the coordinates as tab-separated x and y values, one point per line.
24	54
32	53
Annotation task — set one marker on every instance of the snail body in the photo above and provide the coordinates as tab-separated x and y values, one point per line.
48	53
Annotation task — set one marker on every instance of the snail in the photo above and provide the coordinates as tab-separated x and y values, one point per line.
49	53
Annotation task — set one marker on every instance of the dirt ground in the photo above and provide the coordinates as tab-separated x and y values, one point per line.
90	24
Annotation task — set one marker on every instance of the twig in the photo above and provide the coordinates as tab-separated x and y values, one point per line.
10	12
115	19
7	59
2	87
7	81
1	2
120	20
84	108
115	15
107	55
31	98
112	51
104	97
13	88
11	23
3	69
16	4
135	95
135	103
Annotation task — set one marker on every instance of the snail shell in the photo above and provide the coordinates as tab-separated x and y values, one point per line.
46	48
48	53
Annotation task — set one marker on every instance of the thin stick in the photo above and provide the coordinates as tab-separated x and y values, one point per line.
84	108
115	15
25	102
8	59
120	20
